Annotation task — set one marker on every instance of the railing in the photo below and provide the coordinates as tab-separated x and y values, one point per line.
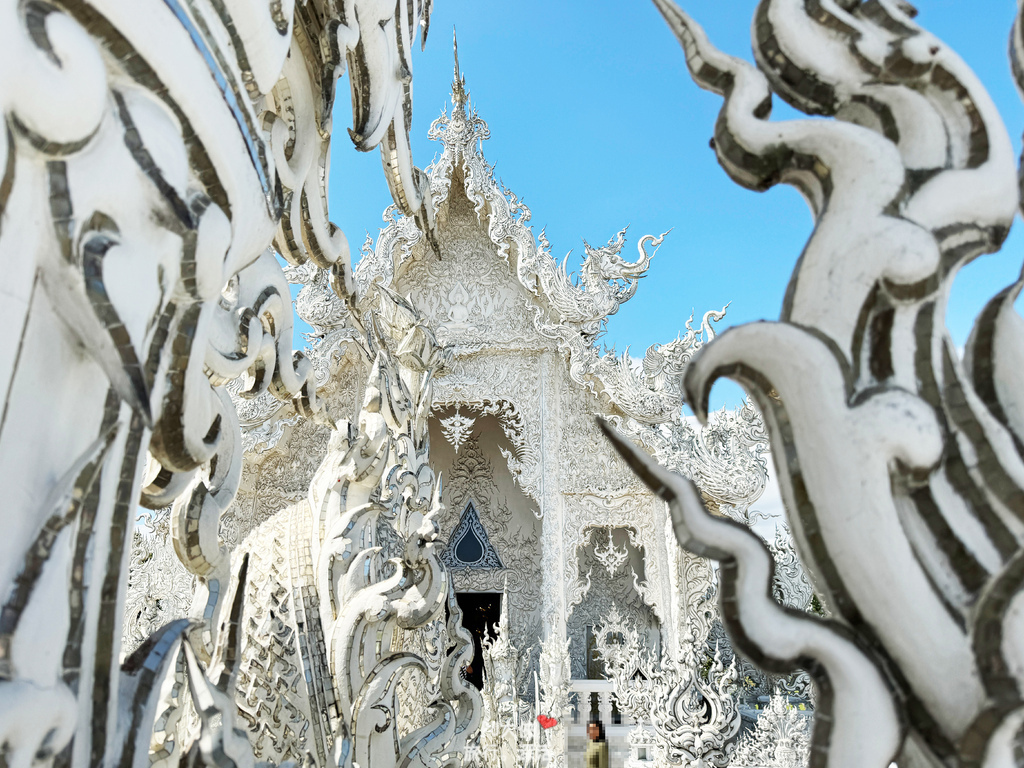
583	696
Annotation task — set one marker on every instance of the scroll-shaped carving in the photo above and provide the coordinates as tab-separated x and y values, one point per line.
143	175
899	465
381	469
695	716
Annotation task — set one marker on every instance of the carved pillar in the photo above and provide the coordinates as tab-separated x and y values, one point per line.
604	707
677	604
552	552
667	590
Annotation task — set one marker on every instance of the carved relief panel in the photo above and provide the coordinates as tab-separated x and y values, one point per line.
507	389
505	520
612	565
470	295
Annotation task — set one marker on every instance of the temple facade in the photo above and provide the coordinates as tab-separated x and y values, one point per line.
418	543
540	516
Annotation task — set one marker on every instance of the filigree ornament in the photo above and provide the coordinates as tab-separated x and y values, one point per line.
694	716
456	428
611	557
182	149
554	681
641	517
790	587
601	592
790	584
780	738
507	328
159	588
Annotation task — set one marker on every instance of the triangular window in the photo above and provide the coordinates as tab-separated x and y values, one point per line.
469	546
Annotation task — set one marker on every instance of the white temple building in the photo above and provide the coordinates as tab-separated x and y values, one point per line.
453	529
538	505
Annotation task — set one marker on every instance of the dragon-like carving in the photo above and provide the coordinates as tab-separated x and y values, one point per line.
664	364
650	393
902	471
155	155
605	281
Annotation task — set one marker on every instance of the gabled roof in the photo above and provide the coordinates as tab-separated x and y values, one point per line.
606	280
575	309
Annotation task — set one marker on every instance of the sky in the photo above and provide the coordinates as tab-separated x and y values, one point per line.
595	124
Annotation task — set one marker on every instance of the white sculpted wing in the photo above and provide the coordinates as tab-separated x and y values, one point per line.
153	155
898	464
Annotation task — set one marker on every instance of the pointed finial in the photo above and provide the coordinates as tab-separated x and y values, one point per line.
455	48
459	93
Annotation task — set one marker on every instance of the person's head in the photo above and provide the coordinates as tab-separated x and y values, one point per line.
595	730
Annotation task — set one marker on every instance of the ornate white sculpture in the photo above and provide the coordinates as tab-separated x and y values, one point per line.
577	310
780	738
642	748
181	141
516	438
698	592
359	605
554	680
618	590
695	715
522	334
902	471
501	741
470	531
155	155
456	429
790	587
790	584
611	557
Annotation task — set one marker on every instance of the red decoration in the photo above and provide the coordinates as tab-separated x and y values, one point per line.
547	722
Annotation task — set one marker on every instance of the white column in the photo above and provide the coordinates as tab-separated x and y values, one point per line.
552	547
604	707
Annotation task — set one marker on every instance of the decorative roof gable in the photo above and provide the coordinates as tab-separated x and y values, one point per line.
568	309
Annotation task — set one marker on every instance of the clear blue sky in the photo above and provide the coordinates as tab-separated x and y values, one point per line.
595	123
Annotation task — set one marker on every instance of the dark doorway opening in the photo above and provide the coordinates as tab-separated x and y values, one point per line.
481	612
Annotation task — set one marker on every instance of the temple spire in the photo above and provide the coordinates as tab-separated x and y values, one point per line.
463	130
460	96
